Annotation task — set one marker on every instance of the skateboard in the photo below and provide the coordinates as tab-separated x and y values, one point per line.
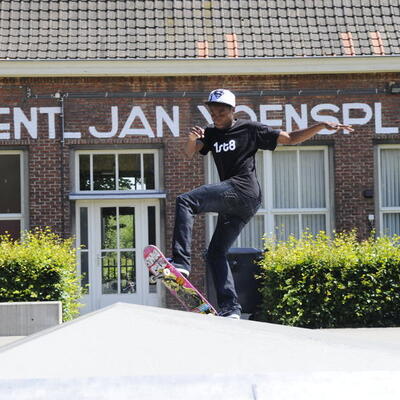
175	282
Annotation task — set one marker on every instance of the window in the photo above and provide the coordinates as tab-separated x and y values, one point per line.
300	197
295	186
122	171
389	190
11	186
118	247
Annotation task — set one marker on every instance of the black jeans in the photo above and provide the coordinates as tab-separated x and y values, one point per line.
234	211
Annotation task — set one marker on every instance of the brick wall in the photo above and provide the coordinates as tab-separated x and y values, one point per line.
353	154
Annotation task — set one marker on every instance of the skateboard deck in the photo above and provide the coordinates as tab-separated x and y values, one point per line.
175	282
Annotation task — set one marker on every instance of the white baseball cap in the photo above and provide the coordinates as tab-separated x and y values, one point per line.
222	96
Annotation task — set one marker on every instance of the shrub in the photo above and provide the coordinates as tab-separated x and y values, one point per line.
40	267
322	282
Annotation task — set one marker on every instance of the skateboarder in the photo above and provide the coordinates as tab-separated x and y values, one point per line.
233	143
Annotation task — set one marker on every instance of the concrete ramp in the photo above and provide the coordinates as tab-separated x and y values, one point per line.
131	351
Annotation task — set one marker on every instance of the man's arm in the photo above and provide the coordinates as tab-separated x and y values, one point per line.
299	136
193	145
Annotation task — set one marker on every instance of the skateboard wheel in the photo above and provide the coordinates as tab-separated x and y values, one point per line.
166	272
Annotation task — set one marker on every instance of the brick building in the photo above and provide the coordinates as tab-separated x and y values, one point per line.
96	99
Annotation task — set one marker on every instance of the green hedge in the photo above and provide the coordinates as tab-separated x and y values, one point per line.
322	282
41	267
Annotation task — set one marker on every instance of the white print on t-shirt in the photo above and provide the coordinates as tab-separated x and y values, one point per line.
230	146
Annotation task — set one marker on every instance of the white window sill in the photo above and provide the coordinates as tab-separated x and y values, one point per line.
117	195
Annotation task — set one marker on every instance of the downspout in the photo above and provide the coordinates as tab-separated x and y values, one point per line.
60	97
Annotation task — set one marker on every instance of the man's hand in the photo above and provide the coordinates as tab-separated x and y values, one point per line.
192	145
336	126
196	133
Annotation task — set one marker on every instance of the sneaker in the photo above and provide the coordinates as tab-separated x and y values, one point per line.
230	313
232	316
183	271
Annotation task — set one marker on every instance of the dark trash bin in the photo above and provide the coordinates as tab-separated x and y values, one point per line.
244	267
242	262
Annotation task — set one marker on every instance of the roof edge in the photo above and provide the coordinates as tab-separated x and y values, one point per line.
198	67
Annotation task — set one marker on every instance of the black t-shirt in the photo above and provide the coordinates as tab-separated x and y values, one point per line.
234	149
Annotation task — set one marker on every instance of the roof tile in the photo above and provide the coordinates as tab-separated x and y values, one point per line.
162	29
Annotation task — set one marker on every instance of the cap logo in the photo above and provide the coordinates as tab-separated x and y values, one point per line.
216	94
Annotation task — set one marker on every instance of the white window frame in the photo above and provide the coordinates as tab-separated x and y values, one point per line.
380	209
155	152
22	215
266	209
270	212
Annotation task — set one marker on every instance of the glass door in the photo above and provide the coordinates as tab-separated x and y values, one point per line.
111	251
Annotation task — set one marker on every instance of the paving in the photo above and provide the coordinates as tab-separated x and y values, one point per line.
4	340
131	351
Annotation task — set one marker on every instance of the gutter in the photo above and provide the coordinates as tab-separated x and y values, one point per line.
201	67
